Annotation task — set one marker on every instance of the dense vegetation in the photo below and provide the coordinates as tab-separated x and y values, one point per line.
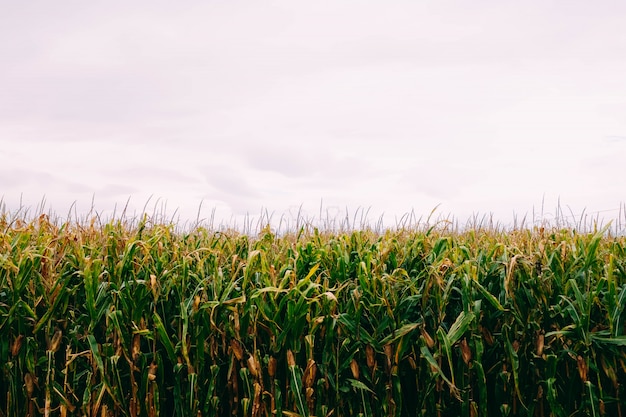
123	319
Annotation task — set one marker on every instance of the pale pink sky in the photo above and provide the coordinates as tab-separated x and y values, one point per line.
388	106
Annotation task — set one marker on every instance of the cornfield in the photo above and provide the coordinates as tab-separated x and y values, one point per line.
141	319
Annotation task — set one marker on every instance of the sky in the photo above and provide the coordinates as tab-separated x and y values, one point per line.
231	109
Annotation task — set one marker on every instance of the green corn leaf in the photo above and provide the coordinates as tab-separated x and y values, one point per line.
488	296
433	363
481	379
95	352
515	363
295	382
459	327
53	310
551	395
593	399
278	398
616	341
360	385
616	316
399	333
446	347
592	248
165	339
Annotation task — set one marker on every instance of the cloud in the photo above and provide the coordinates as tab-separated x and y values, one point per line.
150	174
251	105
26	179
615	139
227	181
283	158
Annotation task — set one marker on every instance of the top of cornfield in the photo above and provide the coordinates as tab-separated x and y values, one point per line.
303	225
430	315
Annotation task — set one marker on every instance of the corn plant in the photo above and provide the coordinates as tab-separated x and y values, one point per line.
140	319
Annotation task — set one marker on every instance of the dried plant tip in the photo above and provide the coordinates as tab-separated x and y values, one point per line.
370	356
196	303
445	265
354	367
433	369
152	370
456	393
30	385
389	354
609	371
540	342
256	405
136	348
253	366
153	281
55	342
466	352
329	295
17	345
291	360
271	367
236	321
310	373
235	346
388	349
487	335
309	394
582	368
429	340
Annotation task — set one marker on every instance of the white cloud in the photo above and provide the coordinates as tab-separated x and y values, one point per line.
488	107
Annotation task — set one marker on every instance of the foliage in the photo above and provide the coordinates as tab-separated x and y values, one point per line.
142	320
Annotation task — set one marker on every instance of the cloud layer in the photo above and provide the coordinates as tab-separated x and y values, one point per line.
241	106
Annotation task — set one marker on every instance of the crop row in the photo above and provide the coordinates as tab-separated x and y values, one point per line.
141	320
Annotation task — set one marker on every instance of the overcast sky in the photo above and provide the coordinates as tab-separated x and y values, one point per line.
485	107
